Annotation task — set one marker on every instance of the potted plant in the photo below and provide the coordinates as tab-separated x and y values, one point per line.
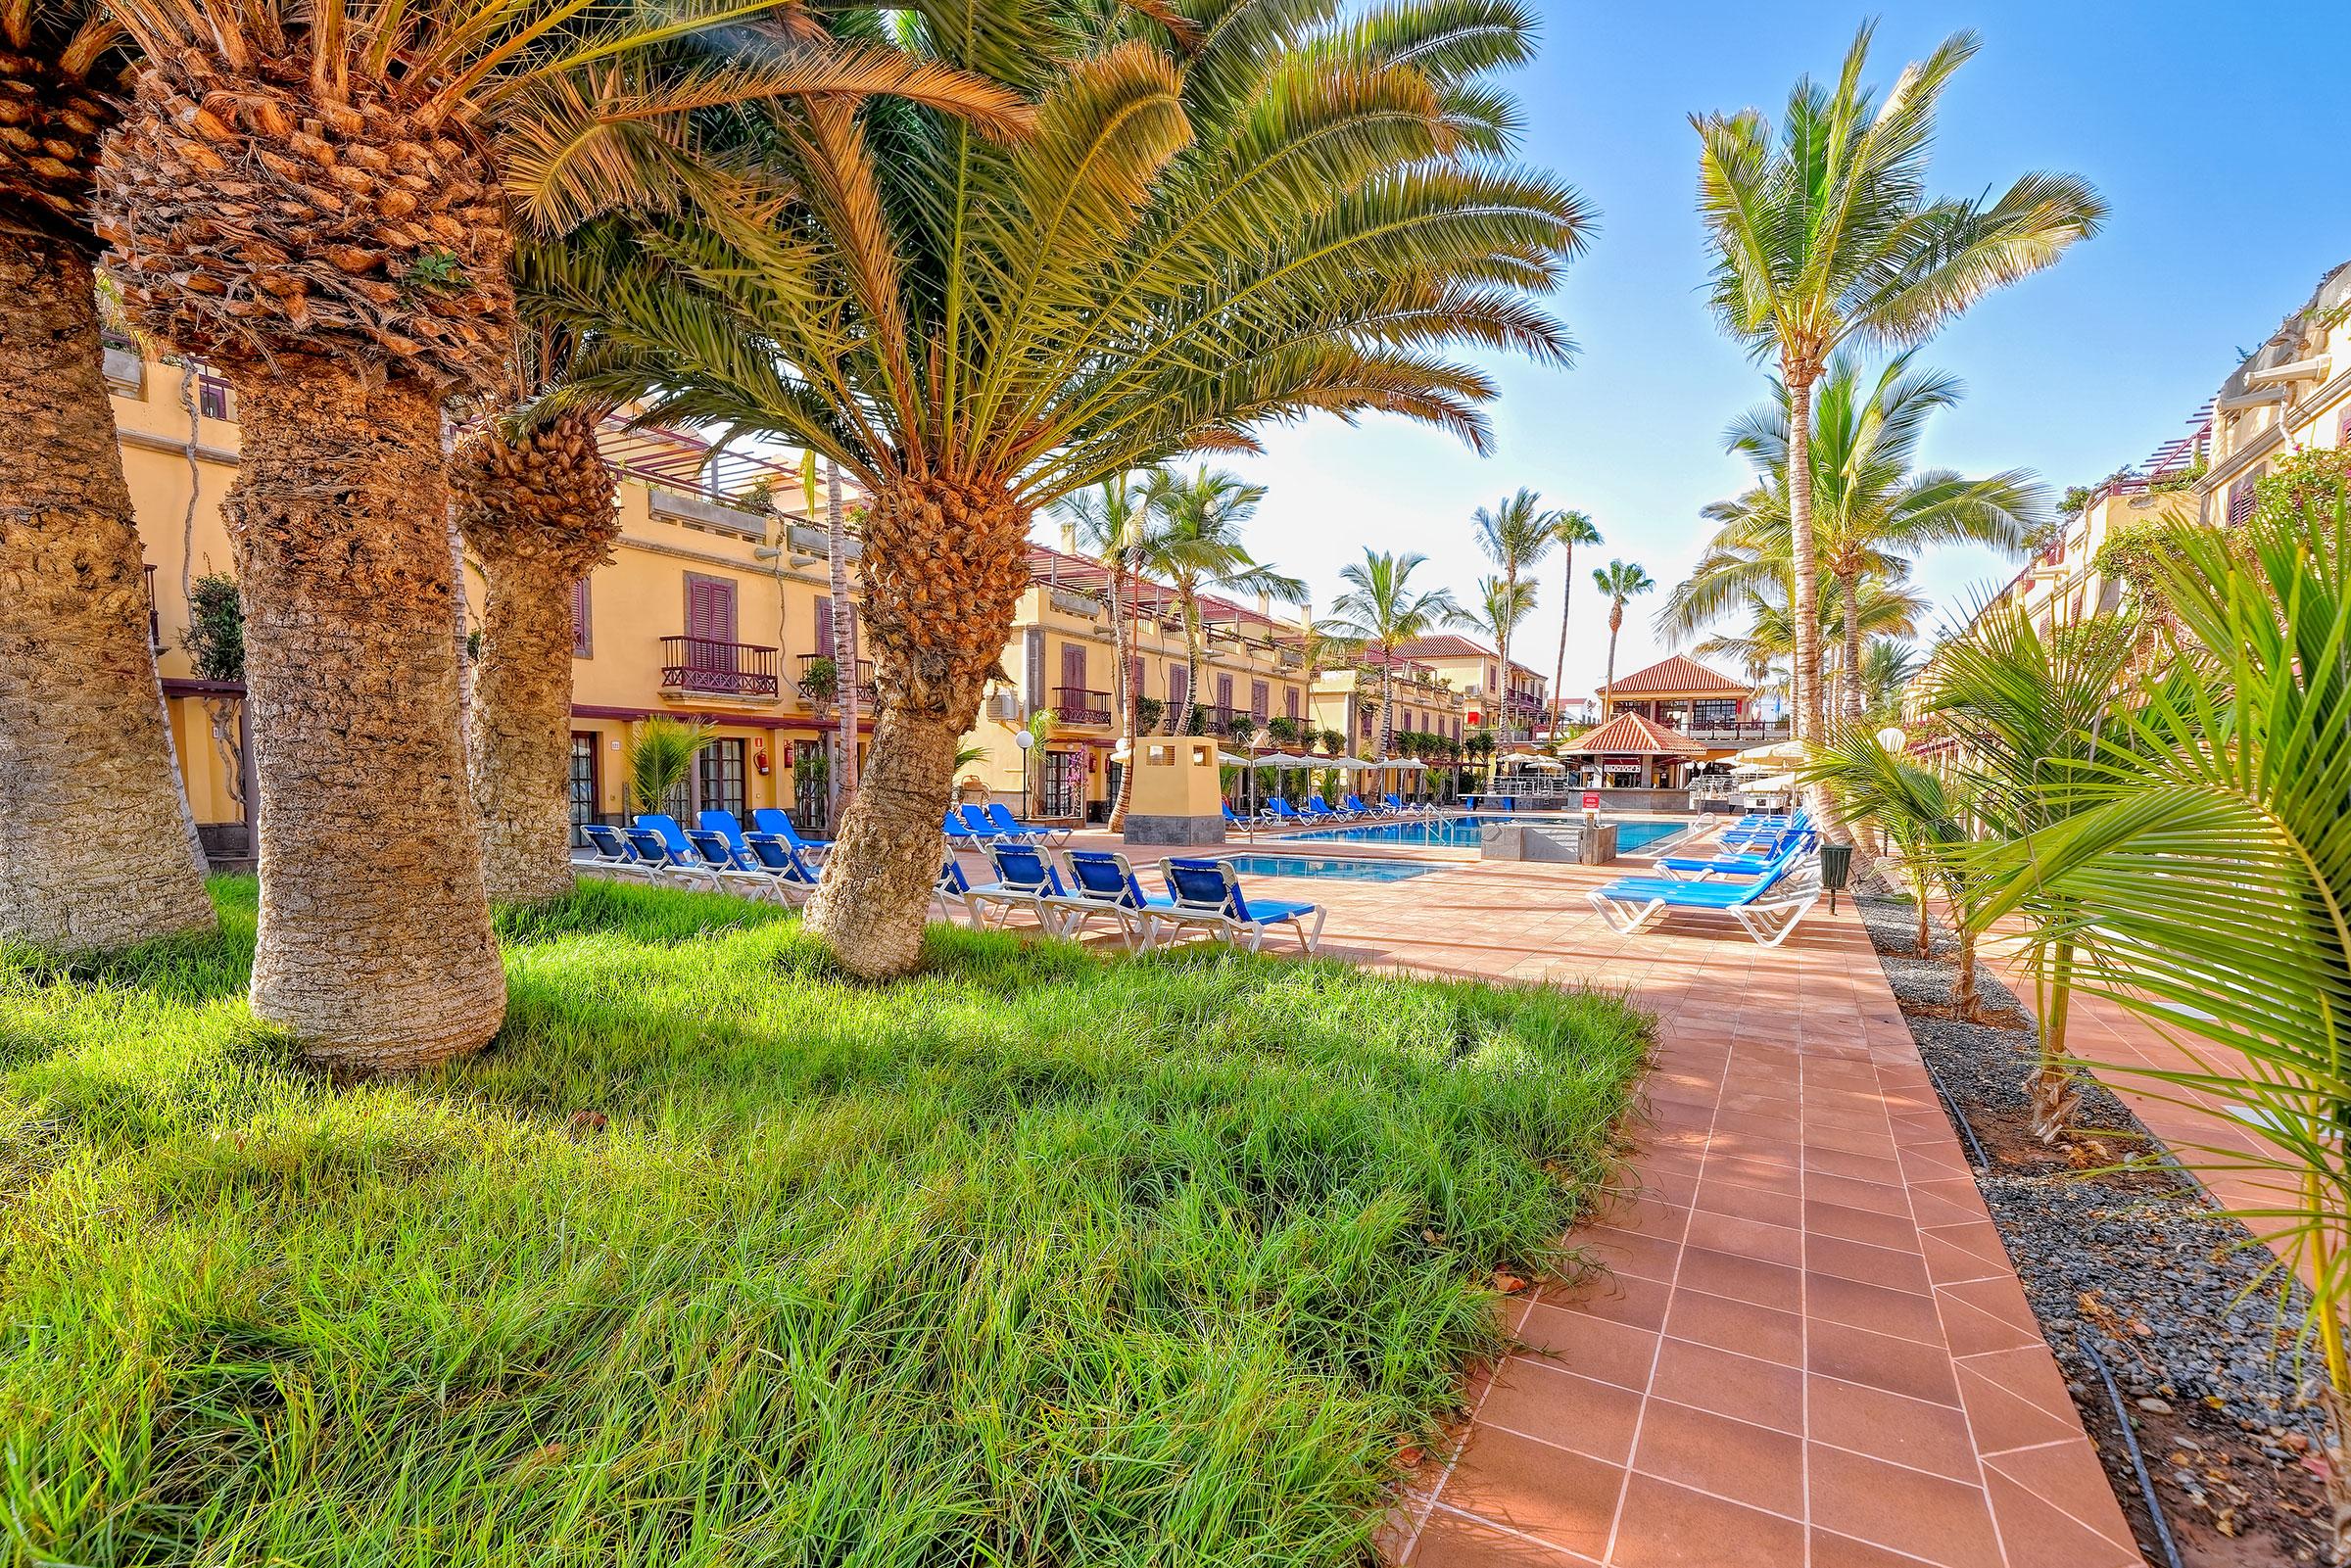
819	682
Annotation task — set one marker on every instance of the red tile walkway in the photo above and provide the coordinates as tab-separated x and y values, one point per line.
1810	1351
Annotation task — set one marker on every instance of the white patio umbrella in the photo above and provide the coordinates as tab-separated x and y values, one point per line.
1542	765
1778	783
1778	753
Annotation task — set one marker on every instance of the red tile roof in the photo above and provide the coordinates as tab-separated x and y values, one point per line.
1628	735
1678	677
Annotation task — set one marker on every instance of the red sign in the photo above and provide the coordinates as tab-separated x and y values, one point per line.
1591	800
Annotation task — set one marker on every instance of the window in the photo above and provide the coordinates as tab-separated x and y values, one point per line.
583	638
2240	499
1032	666
1179	697
582	788
213	400
1065	784
1224	696
709	607
1714	713
1261	701
1289	700
718	770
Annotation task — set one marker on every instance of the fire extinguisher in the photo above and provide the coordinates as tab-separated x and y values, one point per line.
759	761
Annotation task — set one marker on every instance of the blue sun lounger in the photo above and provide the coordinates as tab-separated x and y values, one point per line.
1767	908
665	847
1233	818
786	866
953	887
1321	810
960	835
730	865
1759	858
1281	813
768	820
1025	880
1212	888
1008	826
1102	883
614	852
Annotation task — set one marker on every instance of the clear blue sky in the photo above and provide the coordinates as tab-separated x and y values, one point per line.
2215	135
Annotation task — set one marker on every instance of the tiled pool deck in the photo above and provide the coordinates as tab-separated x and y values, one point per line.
1811	1350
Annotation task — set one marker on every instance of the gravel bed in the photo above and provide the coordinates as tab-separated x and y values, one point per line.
2178	1299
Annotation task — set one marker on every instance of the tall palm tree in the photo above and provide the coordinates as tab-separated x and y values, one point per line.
1236	221
1381	609
97	846
1618	582
1501	606
1112	523
1573	529
322	201
1765	638
1873	513
1828	237
1194	541
1516	535
1888	665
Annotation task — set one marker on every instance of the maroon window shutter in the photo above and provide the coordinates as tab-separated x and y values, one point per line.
582	641
2240	500
1180	693
1072	669
709	608
1135	675
823	625
1032	666
1289	700
1225	692
1259	700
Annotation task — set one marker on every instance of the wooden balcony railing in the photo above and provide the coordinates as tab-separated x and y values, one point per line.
706	667
1078	705
865	680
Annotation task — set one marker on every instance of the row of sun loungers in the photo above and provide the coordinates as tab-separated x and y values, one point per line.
1204	897
1321	813
1763	877
977	826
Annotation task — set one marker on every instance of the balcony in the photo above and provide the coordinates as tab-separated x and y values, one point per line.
1736	731
864	684
1078	705
702	667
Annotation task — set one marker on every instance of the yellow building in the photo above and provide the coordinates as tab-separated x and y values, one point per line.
2293	393
711	609
716	607
1062	660
1347	701
1510	707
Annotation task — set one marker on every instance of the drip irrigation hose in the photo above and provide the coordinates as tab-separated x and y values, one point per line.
1983	1161
2138	1460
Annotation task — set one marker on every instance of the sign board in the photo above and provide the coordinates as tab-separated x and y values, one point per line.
1591	800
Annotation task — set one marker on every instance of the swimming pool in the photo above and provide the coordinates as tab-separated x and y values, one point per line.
1343	871
1460	833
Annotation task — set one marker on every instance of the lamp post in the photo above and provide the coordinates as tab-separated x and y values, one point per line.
1027	743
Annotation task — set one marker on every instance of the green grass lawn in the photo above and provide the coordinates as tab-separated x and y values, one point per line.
1041	1258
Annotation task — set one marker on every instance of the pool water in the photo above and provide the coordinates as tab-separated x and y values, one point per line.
1460	833
1344	871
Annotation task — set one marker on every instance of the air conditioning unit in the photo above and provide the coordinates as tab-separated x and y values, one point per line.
1004	705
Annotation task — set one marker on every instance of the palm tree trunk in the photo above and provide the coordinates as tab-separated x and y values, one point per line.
375	949
944	564
1559	665
1501	651
98	848
2052	1087
1191	668
843	775
1122	641
1851	591
1966	1000
539	514
1801	552
1609	685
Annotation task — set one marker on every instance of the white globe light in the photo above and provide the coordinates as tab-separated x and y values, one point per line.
1893	739
1024	739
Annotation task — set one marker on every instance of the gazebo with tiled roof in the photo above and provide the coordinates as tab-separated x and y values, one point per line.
1718	711
1635	752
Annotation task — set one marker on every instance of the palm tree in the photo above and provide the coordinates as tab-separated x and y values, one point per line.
1888	665
1573	529
1618	582
97	846
1211	228
1873	513
322	201
1112	523
2205	849
1381	609
1828	237
1193	540
1924	815
1515	536
1502	605
2027	712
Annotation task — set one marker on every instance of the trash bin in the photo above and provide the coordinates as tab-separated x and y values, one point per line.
1836	869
